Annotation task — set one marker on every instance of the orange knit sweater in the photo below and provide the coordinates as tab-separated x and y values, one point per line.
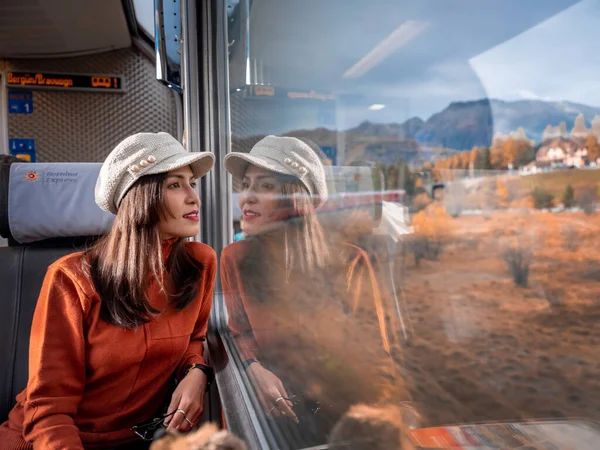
90	381
326	334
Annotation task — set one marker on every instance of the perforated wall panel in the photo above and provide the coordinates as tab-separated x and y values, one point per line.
85	126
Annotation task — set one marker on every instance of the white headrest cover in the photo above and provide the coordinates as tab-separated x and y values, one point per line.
54	200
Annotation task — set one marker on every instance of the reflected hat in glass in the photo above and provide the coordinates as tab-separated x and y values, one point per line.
144	154
287	156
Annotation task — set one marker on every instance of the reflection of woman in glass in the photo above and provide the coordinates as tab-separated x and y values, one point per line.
304	309
115	325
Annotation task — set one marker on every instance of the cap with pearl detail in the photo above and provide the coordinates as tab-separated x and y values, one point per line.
285	155
140	155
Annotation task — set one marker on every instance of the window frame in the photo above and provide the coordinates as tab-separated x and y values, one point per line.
206	109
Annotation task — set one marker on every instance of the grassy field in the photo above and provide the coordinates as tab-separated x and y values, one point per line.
556	182
502	191
485	349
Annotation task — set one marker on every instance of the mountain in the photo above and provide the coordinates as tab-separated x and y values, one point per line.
383	143
534	115
463	125
460	126
406	130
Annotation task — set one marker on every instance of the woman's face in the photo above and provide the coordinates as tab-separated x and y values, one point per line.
260	200
183	203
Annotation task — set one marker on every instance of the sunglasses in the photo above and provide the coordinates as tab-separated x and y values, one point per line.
309	404
149	429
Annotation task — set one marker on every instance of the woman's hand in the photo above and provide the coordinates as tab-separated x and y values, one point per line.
189	398
270	391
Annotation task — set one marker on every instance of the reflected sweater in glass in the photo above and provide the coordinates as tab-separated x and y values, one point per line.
325	335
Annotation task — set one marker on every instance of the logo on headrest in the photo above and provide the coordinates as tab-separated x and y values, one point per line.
31	175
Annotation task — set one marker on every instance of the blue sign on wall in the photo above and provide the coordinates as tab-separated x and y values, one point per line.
20	102
331	153
22	148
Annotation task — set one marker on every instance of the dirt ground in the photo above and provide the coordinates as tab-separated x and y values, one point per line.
483	349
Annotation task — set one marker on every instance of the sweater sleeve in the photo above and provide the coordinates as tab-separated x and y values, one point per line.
239	325
195	351
56	365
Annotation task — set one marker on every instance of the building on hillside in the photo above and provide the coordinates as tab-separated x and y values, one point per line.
562	152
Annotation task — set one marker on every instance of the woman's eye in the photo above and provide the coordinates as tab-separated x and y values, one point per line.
193	184
174	185
268	186
245	185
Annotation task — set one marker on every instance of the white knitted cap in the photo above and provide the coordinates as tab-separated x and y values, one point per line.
144	154
285	155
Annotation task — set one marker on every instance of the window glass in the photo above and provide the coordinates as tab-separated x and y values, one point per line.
460	145
144	14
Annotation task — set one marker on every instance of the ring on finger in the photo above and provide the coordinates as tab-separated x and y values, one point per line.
182	412
278	399
273	408
189	421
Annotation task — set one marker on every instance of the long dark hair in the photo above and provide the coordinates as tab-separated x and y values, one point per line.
124	262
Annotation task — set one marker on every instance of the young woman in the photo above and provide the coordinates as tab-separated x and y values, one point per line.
304	309
116	325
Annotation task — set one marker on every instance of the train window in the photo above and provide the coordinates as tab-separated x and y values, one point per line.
447	290
144	14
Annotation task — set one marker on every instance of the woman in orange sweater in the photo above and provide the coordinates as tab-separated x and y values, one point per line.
117	324
305	310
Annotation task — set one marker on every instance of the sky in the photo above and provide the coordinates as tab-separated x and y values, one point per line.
425	54
144	11
555	60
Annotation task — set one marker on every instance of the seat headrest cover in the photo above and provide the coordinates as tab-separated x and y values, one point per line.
54	200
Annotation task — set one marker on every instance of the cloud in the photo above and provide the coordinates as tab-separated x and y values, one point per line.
525	94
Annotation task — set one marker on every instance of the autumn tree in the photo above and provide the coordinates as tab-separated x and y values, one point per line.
485	162
579	128
593	148
392	177
502	194
596	126
509	152
405	177
562	127
464	158
497	154
525	153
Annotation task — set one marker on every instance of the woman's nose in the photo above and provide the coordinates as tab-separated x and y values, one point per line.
193	196
248	196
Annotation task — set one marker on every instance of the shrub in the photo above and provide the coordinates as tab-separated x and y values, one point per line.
432	231
542	199
568	198
586	197
518	254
